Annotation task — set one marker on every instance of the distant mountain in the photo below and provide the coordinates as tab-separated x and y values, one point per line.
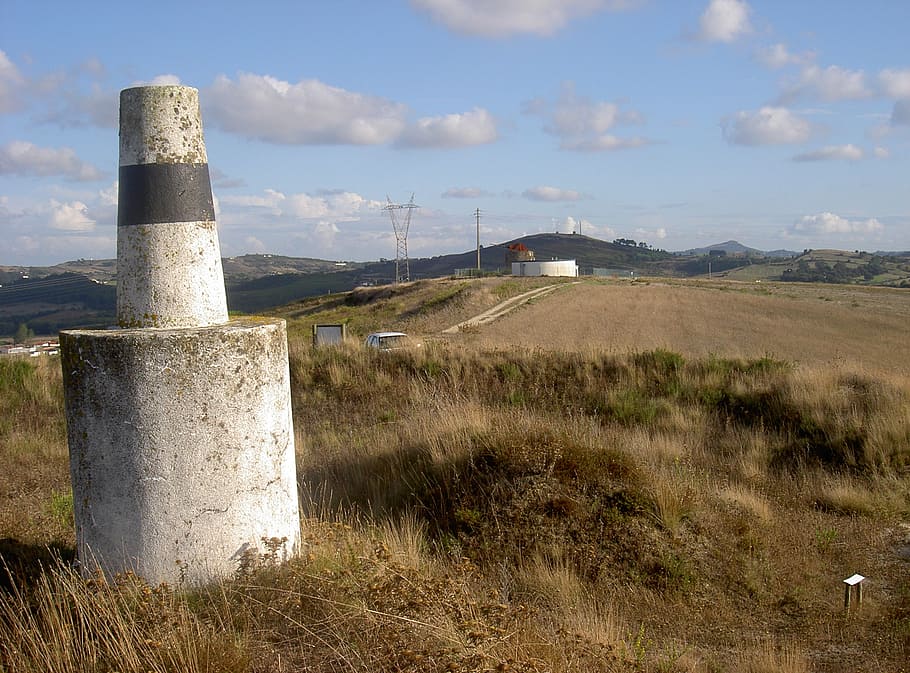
737	248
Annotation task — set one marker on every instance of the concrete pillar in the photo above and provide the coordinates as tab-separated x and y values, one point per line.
179	423
170	275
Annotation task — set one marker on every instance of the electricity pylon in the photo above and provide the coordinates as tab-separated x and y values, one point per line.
402	272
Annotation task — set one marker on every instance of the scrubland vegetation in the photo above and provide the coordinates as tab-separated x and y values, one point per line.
511	510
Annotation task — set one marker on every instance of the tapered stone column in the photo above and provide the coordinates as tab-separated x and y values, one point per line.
179	423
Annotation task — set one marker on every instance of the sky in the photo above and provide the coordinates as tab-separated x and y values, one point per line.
681	123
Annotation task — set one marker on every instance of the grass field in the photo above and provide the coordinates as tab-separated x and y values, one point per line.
658	476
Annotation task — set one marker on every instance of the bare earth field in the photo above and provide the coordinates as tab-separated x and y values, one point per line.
812	324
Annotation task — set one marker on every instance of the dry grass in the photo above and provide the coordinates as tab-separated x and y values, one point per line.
790	322
513	510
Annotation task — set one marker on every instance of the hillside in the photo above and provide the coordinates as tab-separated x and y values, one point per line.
622	477
50	303
258	282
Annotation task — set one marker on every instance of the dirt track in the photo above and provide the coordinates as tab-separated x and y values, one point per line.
865	327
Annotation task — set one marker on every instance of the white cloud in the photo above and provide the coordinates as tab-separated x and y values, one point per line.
501	18
604	143
159	80
724	21
778	56
828	223
659	233
253	244
829	84
11	84
337	206
475	127
464	193
309	112
270	200
23	158
881	153
832	153
895	83
583	124
900	116
324	233
767	126
545	193
71	216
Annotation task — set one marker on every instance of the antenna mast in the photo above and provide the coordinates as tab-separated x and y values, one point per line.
477	217
402	271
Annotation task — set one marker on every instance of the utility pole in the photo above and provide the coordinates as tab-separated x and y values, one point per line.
477	218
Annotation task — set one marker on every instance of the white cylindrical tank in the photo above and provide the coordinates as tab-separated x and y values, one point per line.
555	267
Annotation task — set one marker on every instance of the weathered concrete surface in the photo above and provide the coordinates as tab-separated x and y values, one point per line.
170	275
161	125
169	271
181	447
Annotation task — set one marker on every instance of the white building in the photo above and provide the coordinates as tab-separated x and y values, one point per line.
555	267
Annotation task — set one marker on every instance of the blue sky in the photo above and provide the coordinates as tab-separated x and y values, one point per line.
681	123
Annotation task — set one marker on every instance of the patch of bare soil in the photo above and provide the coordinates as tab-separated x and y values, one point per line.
803	324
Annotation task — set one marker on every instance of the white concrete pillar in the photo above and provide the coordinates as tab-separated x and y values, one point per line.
168	260
179	424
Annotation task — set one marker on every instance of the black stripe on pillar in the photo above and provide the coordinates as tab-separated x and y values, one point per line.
161	193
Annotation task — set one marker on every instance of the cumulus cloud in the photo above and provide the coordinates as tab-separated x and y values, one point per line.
778	56
337	206
501	18
582	124
159	80
545	193
253	244
270	200
72	216
465	193
604	143
25	159
724	21
767	126
660	233
829	223
309	112
828	84
895	83
11	84
832	153
475	127
881	153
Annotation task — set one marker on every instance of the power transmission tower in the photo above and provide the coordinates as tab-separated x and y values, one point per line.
477	217
402	272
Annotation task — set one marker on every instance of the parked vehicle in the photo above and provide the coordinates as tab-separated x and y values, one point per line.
388	341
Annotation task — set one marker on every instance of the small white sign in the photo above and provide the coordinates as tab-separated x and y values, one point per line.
854	579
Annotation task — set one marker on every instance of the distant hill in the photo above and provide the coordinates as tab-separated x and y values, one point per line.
261	293
55	302
737	248
81	293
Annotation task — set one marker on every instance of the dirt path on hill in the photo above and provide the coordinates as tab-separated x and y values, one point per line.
502	308
812	324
